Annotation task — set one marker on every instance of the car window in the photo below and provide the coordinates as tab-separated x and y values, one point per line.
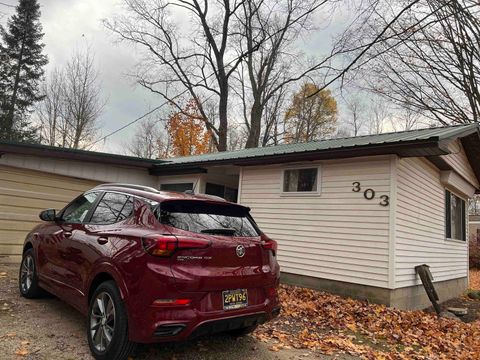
207	218
127	210
111	208
76	211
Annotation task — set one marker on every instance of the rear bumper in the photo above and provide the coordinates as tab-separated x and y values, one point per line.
203	324
211	327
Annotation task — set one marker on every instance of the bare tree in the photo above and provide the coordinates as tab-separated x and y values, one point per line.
236	137
270	29
379	113
203	63
405	119
149	141
196	63
73	104
356	119
430	60
273	118
83	99
53	127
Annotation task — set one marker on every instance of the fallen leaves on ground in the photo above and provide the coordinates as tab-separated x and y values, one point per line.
328	323
21	352
475	279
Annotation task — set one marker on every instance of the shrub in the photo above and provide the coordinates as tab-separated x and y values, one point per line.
474	245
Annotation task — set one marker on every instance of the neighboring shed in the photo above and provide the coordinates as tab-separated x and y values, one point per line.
34	178
353	216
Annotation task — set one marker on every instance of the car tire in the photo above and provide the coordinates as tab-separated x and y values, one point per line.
242	331
28	277
107	329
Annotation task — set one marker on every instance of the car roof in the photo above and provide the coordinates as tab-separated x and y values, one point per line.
158	195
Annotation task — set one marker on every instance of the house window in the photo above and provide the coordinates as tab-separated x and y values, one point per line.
300	180
178	187
455	217
225	192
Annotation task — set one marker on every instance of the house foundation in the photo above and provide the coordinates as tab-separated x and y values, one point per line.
406	298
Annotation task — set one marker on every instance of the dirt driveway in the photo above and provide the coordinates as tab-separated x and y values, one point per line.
49	329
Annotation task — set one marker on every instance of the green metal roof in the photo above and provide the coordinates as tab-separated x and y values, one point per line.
439	134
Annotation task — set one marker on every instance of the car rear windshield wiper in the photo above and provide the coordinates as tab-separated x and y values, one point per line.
220	231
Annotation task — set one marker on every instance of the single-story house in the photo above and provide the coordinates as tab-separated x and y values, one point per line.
353	216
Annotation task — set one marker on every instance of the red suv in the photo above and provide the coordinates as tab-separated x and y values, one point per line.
149	266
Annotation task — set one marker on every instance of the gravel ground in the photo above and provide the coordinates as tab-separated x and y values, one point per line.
49	329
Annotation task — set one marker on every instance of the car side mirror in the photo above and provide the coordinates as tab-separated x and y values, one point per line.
48	215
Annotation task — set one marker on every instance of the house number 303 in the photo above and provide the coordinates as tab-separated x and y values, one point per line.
369	194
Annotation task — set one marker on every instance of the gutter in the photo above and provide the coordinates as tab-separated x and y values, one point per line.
73	154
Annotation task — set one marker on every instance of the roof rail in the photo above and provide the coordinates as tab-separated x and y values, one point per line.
129	186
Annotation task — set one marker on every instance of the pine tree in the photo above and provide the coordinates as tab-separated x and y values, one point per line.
21	70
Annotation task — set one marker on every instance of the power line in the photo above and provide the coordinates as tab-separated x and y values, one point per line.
130	123
4	4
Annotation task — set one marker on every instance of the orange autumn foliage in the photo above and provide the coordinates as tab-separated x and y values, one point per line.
187	132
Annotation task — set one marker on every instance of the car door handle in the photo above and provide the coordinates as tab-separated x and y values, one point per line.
102	240
67	234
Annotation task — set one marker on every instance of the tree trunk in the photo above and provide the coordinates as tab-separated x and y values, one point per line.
223	118
11	112
255	125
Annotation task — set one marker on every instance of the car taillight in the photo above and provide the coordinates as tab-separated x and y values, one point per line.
269	244
166	245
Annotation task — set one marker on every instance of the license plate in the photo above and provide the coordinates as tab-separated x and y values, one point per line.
235	299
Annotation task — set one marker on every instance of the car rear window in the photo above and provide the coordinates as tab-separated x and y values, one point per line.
207	218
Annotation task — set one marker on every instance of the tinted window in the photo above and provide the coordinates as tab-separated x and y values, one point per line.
202	217
110	208
77	211
127	210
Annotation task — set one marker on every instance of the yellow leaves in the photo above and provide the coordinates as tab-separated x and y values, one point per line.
187	132
328	323
312	115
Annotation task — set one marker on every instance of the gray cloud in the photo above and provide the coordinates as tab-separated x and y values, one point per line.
75	24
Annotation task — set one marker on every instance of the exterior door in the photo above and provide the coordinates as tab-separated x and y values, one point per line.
55	251
92	240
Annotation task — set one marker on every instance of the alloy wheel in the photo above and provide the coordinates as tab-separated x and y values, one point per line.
102	321
27	273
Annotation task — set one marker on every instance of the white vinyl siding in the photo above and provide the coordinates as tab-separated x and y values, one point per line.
420	226
459	162
338	235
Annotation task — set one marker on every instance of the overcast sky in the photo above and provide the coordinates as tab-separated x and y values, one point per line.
75	24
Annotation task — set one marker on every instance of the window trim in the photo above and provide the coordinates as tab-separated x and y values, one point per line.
448	215
301	193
